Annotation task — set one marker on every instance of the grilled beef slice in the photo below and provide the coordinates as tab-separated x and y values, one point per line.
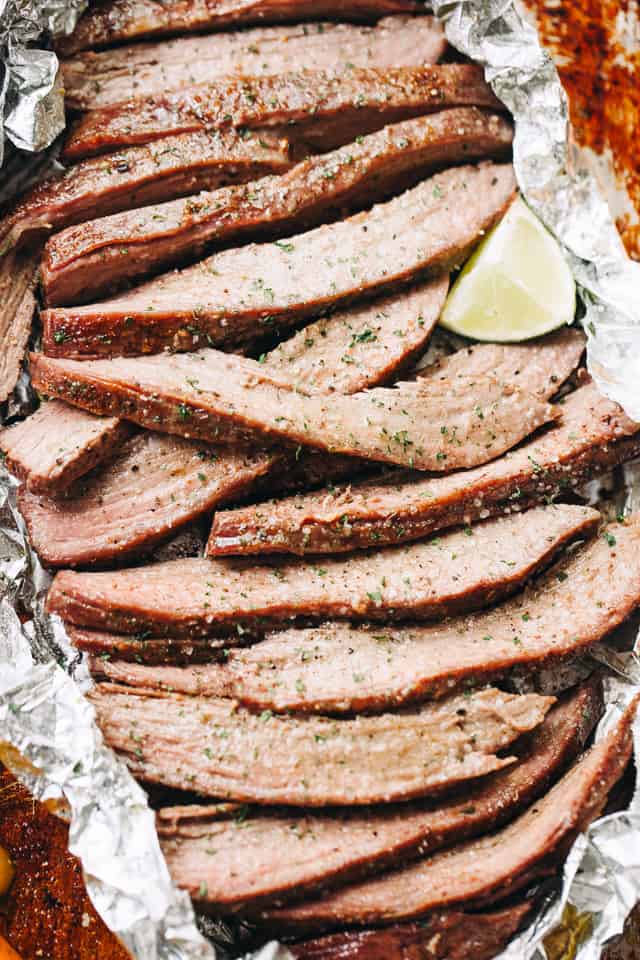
85	261
445	935
58	443
336	667
152	485
146	647
593	435
222	398
242	294
230	863
174	167
110	22
157	483
219	750
187	597
17	306
487	869
94	80
322	108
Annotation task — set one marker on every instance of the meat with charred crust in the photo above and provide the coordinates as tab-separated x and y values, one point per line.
94	80
182	597
225	398
487	869
593	435
262	856
238	295
446	935
137	176
82	262
157	483
322	108
59	443
110	22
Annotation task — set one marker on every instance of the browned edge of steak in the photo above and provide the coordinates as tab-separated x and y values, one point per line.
101	256
285	855
58	443
322	108
487	869
137	176
109	22
139	599
445	935
183	310
593	435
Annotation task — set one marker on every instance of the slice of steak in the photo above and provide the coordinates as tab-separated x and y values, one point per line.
137	176
111	22
82	262
259	857
593	435
242	294
214	748
487	869
17	306
324	108
153	485
445	935
147	648
224	398
94	80
340	667
157	483
59	443
189	597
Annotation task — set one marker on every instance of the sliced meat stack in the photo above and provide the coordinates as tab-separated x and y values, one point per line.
95	80
100	256
243	294
347	698
321	108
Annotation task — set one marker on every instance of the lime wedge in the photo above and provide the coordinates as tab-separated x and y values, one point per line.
515	286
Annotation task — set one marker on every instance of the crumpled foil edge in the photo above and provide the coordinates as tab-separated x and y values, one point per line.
31	92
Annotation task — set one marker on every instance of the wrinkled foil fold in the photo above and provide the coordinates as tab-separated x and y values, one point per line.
31	94
43	713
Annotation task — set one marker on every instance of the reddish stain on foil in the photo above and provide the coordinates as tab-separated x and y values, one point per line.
601	73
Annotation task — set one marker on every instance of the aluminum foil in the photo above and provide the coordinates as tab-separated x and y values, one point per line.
43	714
31	95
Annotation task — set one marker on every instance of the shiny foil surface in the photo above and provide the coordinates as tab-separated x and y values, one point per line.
50	737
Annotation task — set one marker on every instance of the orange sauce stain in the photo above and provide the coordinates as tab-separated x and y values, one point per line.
600	70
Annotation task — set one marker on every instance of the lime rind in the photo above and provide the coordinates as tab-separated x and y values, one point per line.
515	286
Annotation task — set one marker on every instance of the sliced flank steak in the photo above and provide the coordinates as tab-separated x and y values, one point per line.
152	485
174	167
17	307
157	483
444	935
484	870
228	862
146	648
339	667
321	108
59	443
111	22
593	435
197	597
85	261
225	398
239	295
216	749
94	80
